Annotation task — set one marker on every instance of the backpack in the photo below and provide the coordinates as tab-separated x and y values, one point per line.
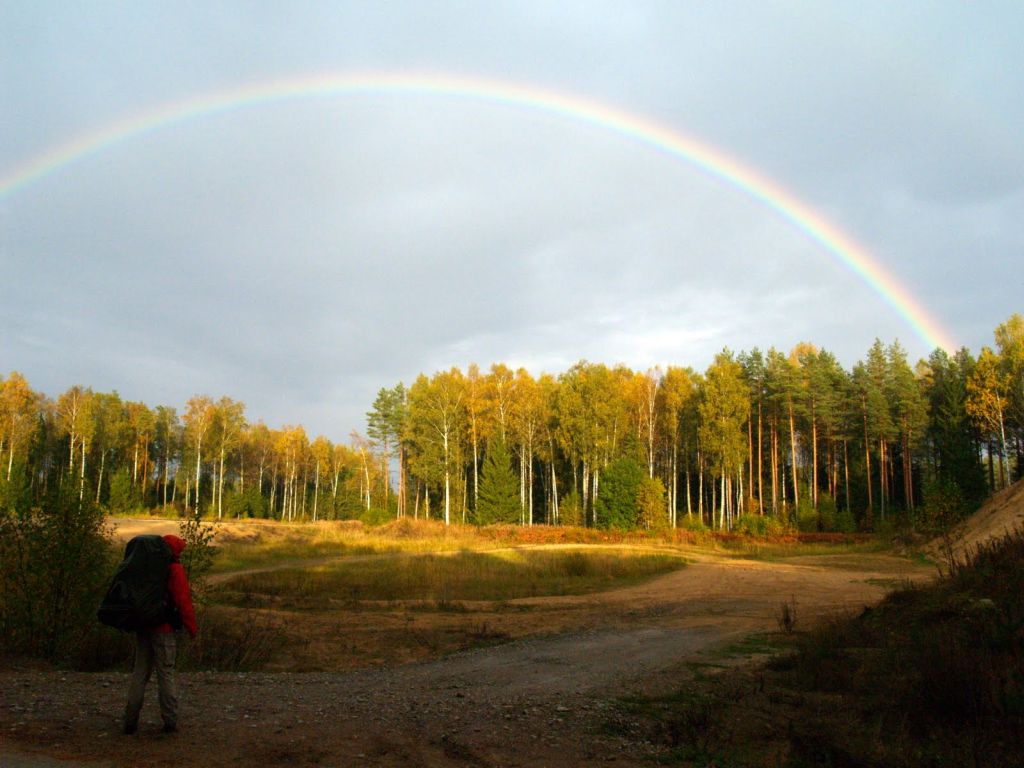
137	598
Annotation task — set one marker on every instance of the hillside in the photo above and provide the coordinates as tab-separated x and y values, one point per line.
1002	513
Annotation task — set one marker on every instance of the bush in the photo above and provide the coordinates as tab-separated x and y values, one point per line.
252	504
123	497
197	559
570	510
650	504
692	523
55	563
376	516
234	641
761	527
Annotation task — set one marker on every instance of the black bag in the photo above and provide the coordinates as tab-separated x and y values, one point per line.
137	598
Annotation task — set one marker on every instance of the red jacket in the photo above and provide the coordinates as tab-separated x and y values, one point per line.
177	586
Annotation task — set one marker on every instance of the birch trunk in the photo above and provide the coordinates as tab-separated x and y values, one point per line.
792	453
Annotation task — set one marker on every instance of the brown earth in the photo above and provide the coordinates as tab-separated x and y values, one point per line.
539	698
999	515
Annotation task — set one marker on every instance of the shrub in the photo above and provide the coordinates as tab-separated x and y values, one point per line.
252	503
650	504
761	526
123	497
235	641
55	562
197	559
692	523
570	510
376	516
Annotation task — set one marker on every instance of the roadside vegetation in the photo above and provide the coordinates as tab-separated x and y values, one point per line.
933	676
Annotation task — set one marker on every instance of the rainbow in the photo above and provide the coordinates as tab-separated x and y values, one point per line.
635	128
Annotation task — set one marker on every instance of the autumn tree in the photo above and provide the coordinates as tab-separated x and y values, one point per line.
723	412
1009	338
677	391
199	416
988	390
436	409
166	446
385	425
228	426
18	411
140	423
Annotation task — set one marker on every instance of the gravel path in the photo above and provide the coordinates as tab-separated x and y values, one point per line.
539	700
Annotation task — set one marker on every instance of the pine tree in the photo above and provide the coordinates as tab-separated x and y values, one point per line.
499	486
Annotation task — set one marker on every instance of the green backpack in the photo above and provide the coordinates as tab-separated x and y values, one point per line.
137	598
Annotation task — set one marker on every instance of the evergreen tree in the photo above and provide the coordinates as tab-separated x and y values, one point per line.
950	432
616	506
499	487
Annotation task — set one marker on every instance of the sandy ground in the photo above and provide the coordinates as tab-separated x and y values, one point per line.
540	698
1002	513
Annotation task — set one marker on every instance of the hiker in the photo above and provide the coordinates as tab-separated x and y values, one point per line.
155	648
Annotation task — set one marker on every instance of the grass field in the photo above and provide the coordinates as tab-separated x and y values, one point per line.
457	576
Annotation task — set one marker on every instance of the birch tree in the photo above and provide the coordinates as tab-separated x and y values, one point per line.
199	415
723	412
988	391
436	410
18	412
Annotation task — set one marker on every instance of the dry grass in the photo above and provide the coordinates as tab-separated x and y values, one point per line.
933	676
447	578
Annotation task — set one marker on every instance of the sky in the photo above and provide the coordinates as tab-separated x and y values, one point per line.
300	253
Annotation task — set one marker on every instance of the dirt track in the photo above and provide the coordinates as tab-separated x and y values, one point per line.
537	700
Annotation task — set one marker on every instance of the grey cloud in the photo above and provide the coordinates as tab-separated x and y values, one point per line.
301	255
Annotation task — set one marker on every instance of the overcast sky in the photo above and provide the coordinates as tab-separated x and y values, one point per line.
300	255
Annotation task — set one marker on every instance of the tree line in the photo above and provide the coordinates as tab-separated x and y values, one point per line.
787	437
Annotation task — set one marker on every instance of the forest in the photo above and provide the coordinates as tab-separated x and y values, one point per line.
758	441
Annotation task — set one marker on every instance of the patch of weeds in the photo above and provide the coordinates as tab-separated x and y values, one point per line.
235	641
484	635
688	722
786	617
757	644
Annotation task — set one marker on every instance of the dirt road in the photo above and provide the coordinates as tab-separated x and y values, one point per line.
538	700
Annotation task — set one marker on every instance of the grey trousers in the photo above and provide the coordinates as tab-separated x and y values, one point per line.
153	650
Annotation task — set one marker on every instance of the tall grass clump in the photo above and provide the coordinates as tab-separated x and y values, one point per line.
235	641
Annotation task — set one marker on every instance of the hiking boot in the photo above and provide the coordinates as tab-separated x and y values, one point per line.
129	729
170	727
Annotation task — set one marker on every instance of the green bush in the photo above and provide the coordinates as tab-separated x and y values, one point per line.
570	510
123	497
650	504
55	564
692	523
806	516
376	516
252	504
